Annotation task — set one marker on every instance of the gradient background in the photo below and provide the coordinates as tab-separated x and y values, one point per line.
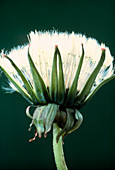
92	146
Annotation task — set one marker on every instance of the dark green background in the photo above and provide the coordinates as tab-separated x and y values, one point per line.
92	146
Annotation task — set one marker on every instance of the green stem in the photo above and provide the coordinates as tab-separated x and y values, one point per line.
58	149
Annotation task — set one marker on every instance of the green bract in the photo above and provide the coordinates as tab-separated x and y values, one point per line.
57	89
39	85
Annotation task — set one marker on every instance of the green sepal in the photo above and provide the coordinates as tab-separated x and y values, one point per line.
61	84
26	83
57	79
50	116
19	88
38	119
77	123
96	89
39	85
54	79
28	113
43	117
89	83
73	89
69	123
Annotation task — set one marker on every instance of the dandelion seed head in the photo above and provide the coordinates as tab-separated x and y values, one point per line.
57	73
42	46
